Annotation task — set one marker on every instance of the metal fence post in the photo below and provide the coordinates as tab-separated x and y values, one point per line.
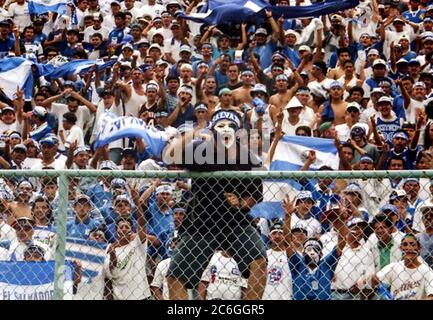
61	237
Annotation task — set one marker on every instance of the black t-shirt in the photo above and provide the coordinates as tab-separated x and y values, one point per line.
209	210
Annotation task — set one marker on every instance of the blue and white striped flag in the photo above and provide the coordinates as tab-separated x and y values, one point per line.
91	254
44	6
76	67
16	72
292	152
32	280
132	127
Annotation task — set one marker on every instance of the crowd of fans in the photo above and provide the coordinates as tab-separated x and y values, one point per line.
362	77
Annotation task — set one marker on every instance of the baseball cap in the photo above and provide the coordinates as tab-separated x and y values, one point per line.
384	83
427	39
377	90
397	193
353	105
82	197
185	48
261	31
325	126
419	84
402	60
304	48
20	146
389	207
39	111
385	99
258	87
304	195
122	198
47	140
379	62
414	61
108	164
356	220
154	45
357	131
118	183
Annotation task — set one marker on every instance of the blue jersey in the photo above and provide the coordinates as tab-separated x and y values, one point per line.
81	230
387	128
414	16
265	53
315	285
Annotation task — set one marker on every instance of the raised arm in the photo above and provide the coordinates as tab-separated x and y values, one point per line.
289	209
274	25
87	103
340	225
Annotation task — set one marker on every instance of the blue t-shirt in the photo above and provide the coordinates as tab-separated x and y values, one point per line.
315	285
387	128
265	53
81	230
415	16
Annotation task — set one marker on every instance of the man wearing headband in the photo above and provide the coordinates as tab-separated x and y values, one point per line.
148	109
313	274
160	221
242	94
409	278
283	94
279	285
184	111
218	217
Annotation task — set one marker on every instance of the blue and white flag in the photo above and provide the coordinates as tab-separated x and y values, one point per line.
44	6
91	255
223	11
32	280
268	210
16	72
132	127
76	67
292	152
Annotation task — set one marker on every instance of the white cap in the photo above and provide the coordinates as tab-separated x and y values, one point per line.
304	48
385	99
261	31
155	45
373	51
378	62
353	105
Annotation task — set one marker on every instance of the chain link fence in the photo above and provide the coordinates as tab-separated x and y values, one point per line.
216	236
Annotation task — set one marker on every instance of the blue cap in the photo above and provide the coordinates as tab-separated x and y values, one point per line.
389	207
337	84
47	140
145	67
304	195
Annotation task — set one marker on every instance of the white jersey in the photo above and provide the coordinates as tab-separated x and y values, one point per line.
407	284
84	117
311	225
279	283
129	276
159	280
354	266
223	278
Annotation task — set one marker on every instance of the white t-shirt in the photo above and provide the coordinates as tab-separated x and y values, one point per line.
407	284
75	133
154	10
159	280
343	130
57	164
279	283
411	110
290	129
311	225
89	31
129	276
224	278
17	249
84	117
20	15
354	265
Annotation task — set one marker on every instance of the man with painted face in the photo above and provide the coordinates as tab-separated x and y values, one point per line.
312	274
217	216
410	278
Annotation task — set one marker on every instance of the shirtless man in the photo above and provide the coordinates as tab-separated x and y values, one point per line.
207	94
283	95
338	71
335	109
242	94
